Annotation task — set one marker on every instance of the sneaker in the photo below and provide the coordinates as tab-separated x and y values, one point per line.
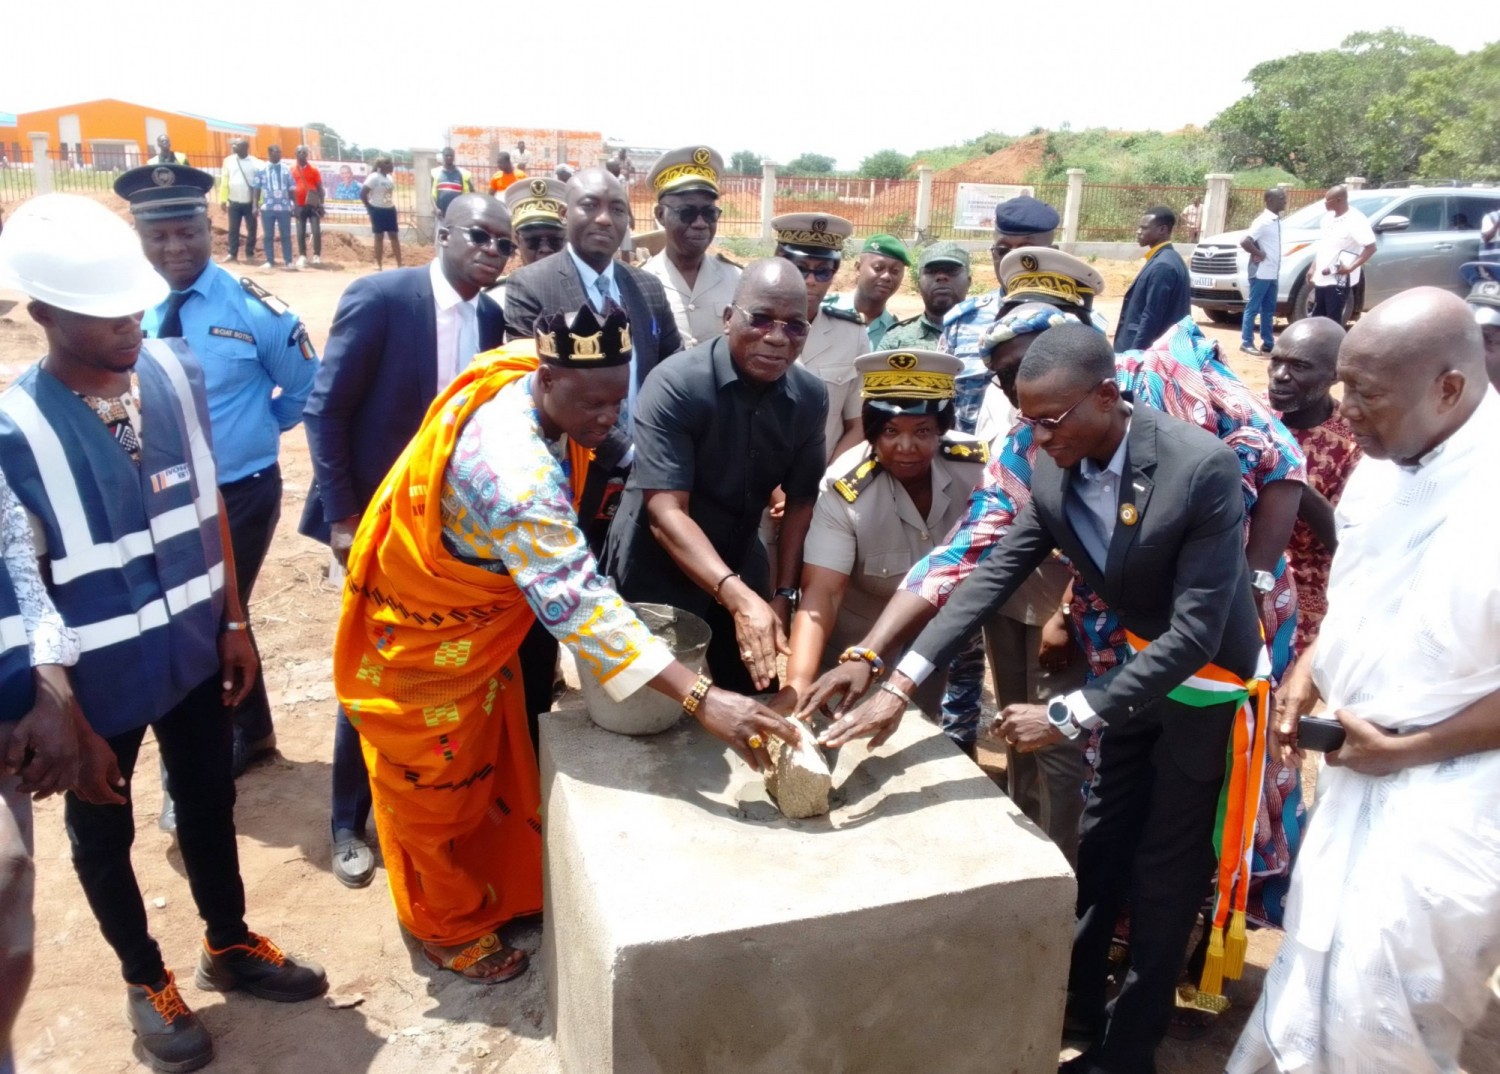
317	260
229	259
170	1034
268	265
1249	348
301	262
260	968
353	860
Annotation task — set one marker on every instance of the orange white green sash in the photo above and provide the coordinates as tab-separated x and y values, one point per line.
1239	805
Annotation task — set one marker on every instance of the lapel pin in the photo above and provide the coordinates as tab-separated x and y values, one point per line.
1129	515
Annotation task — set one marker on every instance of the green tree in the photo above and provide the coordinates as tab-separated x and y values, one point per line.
745	162
886	164
1467	144
1344	111
333	147
810	164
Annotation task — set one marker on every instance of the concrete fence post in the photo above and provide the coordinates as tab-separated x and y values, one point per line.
1073	206
924	204
422	163
41	164
1354	182
1215	204
767	199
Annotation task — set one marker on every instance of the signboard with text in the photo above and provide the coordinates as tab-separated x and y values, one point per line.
974	205
341	183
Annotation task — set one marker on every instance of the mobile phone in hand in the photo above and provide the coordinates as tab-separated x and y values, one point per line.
1319	733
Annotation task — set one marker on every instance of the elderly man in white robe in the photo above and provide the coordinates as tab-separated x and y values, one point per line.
1393	923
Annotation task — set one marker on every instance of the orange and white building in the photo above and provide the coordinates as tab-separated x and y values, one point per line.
110	134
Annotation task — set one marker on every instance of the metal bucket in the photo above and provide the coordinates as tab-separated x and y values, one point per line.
647	712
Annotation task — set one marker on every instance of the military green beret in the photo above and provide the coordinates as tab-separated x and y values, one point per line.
887	246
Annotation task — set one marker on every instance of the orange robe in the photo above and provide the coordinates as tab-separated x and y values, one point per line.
425	666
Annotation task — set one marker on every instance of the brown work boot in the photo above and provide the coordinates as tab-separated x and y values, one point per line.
170	1034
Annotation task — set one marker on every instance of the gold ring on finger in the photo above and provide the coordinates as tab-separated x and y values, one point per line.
755	742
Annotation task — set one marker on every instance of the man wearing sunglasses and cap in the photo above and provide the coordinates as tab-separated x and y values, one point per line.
879	271
397	340
686	182
536	218
814	242
106	442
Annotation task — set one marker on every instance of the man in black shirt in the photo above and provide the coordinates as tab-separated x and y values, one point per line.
716	429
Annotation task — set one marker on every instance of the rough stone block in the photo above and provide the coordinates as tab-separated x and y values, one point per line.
798	779
922	925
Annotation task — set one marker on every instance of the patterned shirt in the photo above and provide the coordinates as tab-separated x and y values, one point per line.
508	507
1331	456
1180	375
276	186
964	328
52	641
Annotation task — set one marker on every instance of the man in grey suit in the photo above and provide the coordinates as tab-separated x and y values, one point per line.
597	221
1149	511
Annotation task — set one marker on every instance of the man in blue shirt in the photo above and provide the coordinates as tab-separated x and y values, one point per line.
277	189
249	345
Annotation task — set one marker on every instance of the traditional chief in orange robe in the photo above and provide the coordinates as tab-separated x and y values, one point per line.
472	538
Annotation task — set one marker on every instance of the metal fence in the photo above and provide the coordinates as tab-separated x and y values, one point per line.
81	170
1107	213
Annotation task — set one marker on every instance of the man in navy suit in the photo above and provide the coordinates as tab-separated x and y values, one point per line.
398	339
1159	297
587	271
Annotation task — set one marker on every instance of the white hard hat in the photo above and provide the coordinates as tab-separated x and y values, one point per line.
73	253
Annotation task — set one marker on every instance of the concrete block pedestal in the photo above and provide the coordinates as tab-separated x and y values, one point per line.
923	925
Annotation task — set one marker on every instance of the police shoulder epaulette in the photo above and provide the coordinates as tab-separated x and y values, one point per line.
857	480
267	299
843	314
729	261
966	449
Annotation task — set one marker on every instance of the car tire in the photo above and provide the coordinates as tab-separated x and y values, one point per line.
1222	316
1301	302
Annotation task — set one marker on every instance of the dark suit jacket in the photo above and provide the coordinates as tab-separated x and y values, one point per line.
552	285
1177	577
378	377
1157	300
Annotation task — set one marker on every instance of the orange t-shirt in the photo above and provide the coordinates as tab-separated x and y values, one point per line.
502	180
308	178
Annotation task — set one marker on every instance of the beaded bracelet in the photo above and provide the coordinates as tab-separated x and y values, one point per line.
696	695
869	656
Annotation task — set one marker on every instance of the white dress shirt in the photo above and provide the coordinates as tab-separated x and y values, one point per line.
457	327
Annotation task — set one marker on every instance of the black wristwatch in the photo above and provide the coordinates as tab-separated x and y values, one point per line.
793	595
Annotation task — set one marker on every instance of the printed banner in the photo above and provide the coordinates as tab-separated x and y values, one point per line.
974	205
341	182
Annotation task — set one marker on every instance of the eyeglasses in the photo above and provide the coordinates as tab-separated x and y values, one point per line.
482	239
819	270
1052	423
689	213
535	241
762	323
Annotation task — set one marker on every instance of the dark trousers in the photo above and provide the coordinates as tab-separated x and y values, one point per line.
195	742
306	215
1331	302
538	654
254	507
1147	837
242	211
351	781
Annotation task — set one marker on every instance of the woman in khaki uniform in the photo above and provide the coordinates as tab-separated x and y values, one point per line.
883	506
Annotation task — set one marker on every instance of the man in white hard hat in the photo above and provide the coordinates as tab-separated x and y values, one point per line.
139	563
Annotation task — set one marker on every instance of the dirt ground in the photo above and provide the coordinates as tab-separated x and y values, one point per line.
387	1011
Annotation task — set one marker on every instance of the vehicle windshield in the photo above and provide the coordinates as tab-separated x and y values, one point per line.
1310	216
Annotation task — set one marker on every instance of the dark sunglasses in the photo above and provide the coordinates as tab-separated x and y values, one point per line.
822	271
762	323
1052	423
537	242
689	213
481	238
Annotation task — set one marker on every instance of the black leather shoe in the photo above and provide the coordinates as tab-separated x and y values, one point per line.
247	751
260	968
170	1034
